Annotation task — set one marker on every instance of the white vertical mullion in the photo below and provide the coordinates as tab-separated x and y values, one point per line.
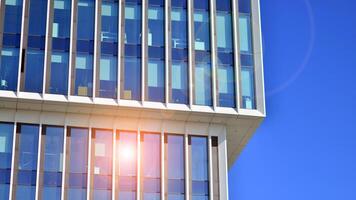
97	32
47	49
223	166
24	7
167	49
162	166
138	192
89	163
119	47
213	52
113	176
144	59
191	49
2	16
186	171
39	150
237	64
13	160
64	163
211	179
72	44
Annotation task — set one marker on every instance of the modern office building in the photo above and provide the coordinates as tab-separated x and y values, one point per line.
126	99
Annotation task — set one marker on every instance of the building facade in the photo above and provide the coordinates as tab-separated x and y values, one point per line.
126	99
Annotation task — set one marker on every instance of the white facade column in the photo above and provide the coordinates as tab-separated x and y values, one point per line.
64	162
48	45
138	192
39	152
191	53
13	164
89	175
214	63
236	45
97	48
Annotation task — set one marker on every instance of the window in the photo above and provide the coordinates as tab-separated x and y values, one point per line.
9	60
199	168
247	90
27	161
175	167
6	141
245	34
83	72
151	166
33	71
57	72
102	158
107	80
131	73
179	68
155	80
202	71
225	68
8	69
78	164
126	165
52	140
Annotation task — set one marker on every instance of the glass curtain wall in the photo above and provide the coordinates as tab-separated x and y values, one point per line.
246	57
175	167
202	69
179	68
131	72
6	142
33	70
9	60
126	165
77	167
107	79
52	163
156	51
27	153
102	141
57	72
225	68
151	166
83	71
199	168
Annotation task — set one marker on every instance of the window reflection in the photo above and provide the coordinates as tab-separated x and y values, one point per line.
151	166
78	164
6	140
102	158
175	167
199	168
52	138
126	165
25	183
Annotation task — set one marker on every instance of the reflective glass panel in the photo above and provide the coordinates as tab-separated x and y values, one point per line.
84	74
27	161
102	184
59	73
126	165
132	75
53	138
202	84
6	141
78	164
179	77
108	76
247	88
175	167
9	63
155	80
34	70
109	24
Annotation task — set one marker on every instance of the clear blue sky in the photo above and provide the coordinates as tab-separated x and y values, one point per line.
306	147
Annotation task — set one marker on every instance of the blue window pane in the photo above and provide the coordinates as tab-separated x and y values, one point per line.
78	164
245	6
248	88
132	23
224	5
6	140
202	84
109	24
224	32
226	86
59	73
179	3
53	138
132	84
245	34
199	159
156	26
61	19
201	4
34	71
202	30
151	161
108	76
13	16
85	24
84	75
103	141
126	165
9	63
27	161
179	78
179	28
38	16
155	80
175	167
